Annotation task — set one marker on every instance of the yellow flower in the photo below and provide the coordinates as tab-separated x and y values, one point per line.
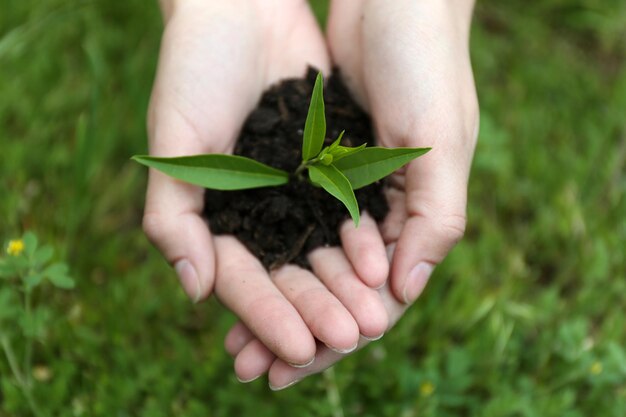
15	247
427	388
596	368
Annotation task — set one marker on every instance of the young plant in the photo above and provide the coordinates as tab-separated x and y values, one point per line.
337	169
25	267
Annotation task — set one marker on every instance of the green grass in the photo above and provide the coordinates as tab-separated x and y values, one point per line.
514	323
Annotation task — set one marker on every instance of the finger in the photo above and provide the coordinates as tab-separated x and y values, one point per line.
436	205
281	375
236	338
363	302
365	249
326	317
177	126
245	288
253	361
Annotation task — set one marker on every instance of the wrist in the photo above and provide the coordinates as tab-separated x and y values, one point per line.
171	7
461	11
456	13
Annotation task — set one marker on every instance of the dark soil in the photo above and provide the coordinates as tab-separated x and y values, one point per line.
283	224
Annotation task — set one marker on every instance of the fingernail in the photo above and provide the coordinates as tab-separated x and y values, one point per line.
189	279
416	281
295	365
274	388
381	286
343	351
371	339
245	381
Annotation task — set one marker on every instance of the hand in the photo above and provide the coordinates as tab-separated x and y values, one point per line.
408	64
216	60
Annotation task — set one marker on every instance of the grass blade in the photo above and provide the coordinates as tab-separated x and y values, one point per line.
315	125
217	171
371	164
333	181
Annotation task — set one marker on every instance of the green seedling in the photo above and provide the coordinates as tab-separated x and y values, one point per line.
25	267
337	169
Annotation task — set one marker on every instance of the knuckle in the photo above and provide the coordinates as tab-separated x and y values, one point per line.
452	227
152	226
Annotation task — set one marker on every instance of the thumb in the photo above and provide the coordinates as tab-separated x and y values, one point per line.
173	223
436	198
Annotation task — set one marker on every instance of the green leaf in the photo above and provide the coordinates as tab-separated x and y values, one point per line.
217	171
55	269
33	280
43	255
341	152
371	164
315	125
30	243
62	281
57	274
337	141
333	181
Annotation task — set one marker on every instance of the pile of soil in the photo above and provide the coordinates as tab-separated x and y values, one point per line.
283	224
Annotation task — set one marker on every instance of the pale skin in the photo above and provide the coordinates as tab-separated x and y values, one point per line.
408	64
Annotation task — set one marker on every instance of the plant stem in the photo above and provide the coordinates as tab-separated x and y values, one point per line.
28	349
304	165
300	168
32	403
8	352
25	387
332	393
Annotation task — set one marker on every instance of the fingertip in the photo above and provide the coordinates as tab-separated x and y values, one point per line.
188	277
185	242
373	269
365	249
253	361
281	375
377	321
300	352
343	336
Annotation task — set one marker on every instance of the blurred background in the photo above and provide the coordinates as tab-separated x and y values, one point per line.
524	318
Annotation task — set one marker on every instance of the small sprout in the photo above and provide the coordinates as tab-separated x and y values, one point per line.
338	169
15	247
326	159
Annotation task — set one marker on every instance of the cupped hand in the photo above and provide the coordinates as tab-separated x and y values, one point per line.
216	59
408	64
